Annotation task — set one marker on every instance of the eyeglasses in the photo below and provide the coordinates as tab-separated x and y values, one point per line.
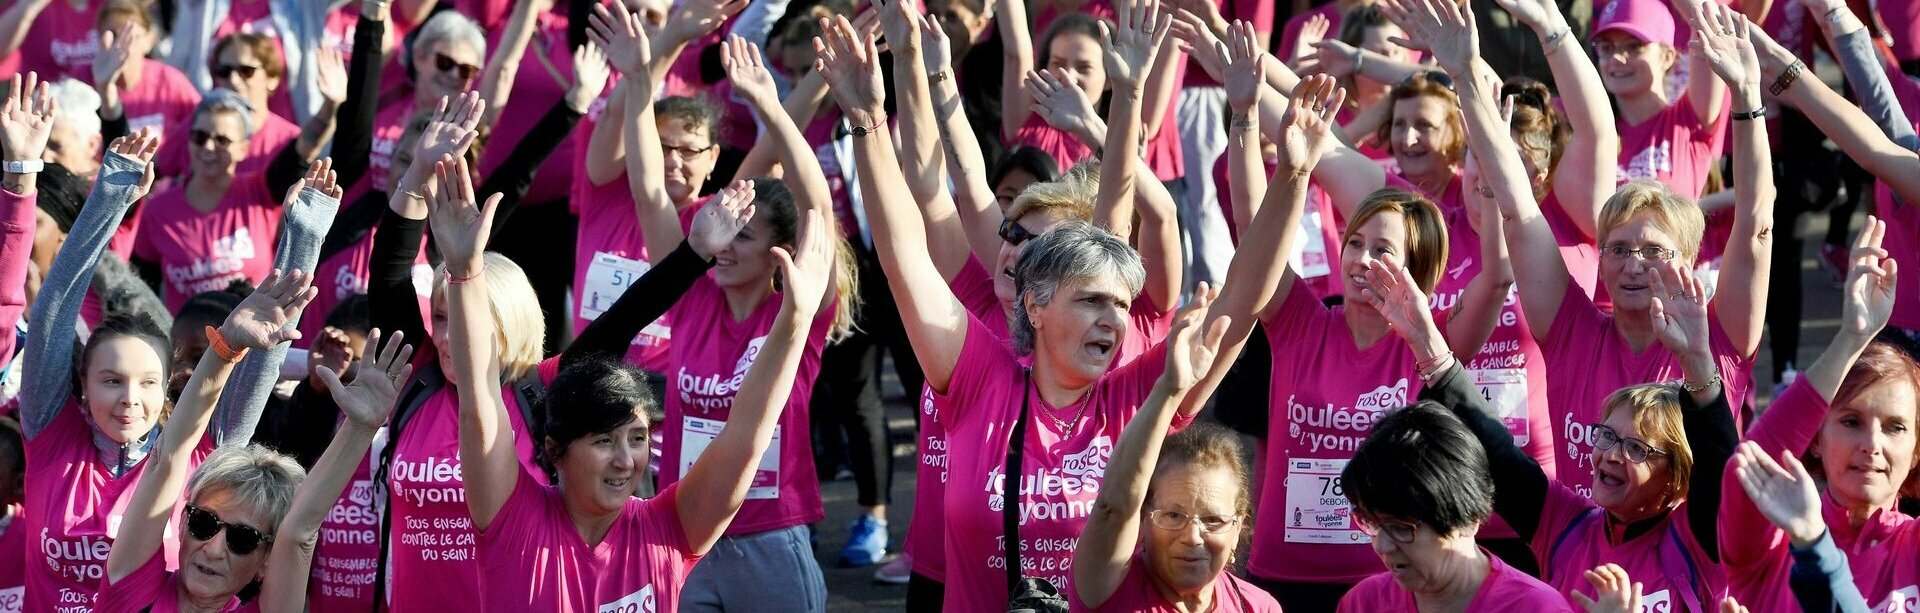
242	539
1649	253
199	138
1014	233
1606	438
685	152
1628	48
447	64
225	70
1175	520
1400	531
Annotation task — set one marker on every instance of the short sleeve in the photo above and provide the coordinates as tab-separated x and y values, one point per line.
659	519
1571	324
1295	315
136	592
523	508
983	363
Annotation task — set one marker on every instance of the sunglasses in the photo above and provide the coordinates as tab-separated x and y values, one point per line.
1014	233
447	64
242	539
199	138
225	70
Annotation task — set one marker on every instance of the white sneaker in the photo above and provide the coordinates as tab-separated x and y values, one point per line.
897	571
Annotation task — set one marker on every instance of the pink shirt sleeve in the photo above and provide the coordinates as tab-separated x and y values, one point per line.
16	246
136	592
983	363
1788	425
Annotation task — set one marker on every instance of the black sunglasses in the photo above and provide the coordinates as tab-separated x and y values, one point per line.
242	539
199	138
1439	77
224	70
1014	233
447	64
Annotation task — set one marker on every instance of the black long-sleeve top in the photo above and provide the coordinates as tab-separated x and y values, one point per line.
1520	486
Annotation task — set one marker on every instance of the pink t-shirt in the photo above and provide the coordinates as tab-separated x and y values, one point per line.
1320	227
200	252
1588	360
705	377
610	254
1903	218
1064	148
1903	17
1504	589
1879	551
1137	594
1576	535
1673	147
347	557
1290	33
431	545
152	589
388	125
535	90
163	98
73	510
640	565
274	134
1163	153
61	41
1577	250
1509	371
256	17
1062	472
1326	395
13	568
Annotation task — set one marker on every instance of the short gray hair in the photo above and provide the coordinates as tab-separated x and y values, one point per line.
254	475
446	26
226	100
1074	251
79	106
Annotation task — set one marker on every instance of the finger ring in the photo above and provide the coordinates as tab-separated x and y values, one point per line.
1318	108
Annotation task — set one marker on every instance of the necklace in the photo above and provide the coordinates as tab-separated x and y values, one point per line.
1066	427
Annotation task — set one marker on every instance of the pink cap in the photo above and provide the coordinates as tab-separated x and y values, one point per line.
1651	21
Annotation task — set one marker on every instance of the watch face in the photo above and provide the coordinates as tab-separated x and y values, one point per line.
859	131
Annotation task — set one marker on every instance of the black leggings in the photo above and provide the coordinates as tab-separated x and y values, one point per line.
924	594
1805	185
847	409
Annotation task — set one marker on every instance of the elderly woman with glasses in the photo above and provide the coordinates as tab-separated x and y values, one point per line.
1655	444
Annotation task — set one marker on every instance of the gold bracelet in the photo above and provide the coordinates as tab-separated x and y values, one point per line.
939	76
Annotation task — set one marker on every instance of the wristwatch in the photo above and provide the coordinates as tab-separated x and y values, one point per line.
23	167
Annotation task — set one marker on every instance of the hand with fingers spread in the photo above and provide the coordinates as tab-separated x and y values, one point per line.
748	73
369	399
1306	128
693	19
807	268
1783	491
461	225
27	120
1246	70
139	146
851	65
1872	280
590	76
320	177
452	130
620	33
936	52
1615	591
1199	42
1722	38
1336	57
332	349
1132	43
1314	31
330	76
1540	15
1680	311
899	24
265	318
1392	291
1194	342
116	51
721	219
1441	27
1062	104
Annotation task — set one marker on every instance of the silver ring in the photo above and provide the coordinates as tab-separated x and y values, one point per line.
1319	108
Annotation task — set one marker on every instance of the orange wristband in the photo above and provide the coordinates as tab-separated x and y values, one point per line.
218	345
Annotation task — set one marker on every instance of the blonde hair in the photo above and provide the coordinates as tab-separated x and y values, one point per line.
519	332
253	475
1672	213
1071	196
1426	256
1656	413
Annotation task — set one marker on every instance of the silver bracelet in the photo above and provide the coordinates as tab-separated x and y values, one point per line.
22	167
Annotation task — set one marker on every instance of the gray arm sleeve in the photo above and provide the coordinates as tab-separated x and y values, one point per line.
1868	75
308	217
47	373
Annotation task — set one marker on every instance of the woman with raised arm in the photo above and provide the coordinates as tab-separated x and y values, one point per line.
1643	229
1193	488
1670	136
1853	411
1790	498
151	93
1076	283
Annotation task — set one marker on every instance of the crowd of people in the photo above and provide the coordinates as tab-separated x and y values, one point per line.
571	305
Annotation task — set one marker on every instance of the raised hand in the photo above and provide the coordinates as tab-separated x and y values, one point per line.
1392	291
1246	70
1680	310
696	18
460	225
1306	128
590	76
263	319
332	349
26	120
936	51
748	73
1535	14
851	65
807	268
1190	352
1786	495
1192	35
140	146
721	219
116	50
1060	103
1871	282
1617	592
369	400
1132	42
320	177
452	130
900	24
330	75
1441	27
621	34
1722	38
1315	30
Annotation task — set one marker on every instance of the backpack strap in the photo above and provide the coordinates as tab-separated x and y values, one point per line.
1010	489
422	387
1678	565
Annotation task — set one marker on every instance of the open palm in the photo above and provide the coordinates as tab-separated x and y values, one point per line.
1246	70
266	317
1782	491
461	226
369	399
807	268
721	219
1133	41
453	128
620	33
1194	342
1871	282
849	61
748	72
1723	40
27	119
1306	128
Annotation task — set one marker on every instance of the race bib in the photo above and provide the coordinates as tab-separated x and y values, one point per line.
637	602
609	276
1505	391
1311	260
699	433
1317	507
